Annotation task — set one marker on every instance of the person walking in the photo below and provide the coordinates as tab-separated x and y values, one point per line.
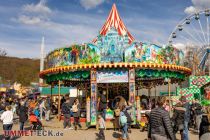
41	108
204	132
160	127
103	104
76	113
187	107
7	118
22	112
47	108
125	110
198	114
102	126
178	119
124	125
65	108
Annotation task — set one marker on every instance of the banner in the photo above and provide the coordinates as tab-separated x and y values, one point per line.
112	76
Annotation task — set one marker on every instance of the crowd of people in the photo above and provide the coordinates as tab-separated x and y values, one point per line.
185	116
161	124
25	109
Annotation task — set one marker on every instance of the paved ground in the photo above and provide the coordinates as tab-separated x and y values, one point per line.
90	134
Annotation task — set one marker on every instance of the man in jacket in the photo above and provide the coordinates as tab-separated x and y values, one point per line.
159	123
66	114
186	117
22	112
103	104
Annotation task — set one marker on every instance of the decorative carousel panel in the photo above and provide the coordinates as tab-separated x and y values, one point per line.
75	54
112	46
143	52
77	75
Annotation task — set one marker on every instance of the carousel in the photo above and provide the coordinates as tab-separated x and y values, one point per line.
116	64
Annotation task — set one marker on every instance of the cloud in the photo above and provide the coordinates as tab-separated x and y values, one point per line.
89	4
197	6
34	14
180	46
37	8
29	20
190	10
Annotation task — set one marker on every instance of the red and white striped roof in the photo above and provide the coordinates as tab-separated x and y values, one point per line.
115	21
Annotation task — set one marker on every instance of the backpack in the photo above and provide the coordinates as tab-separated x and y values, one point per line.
74	108
65	109
123	120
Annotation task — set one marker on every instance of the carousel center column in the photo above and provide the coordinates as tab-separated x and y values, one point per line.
132	91
93	99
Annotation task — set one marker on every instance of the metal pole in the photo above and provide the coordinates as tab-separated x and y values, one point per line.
59	94
155	92
51	94
169	93
107	92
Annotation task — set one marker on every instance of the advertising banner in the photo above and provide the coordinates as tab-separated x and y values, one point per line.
112	76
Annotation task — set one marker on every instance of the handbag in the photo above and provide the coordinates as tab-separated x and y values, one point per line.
181	127
74	108
117	112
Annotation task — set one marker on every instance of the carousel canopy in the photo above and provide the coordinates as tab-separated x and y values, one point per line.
114	21
114	48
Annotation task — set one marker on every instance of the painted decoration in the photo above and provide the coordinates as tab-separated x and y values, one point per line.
109	114
93	100
112	76
143	52
88	110
112	46
199	81
132	75
132	95
75	54
93	104
194	89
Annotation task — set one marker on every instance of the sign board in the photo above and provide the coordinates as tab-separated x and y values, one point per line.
112	76
73	92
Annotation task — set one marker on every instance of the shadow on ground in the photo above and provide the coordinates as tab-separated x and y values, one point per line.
116	134
12	138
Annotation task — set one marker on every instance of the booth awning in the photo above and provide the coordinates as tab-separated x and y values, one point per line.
47	90
166	94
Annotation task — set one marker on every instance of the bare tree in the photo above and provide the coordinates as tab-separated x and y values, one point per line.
3	52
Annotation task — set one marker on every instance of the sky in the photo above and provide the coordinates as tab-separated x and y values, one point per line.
23	23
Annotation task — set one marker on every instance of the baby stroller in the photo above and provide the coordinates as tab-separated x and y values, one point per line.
35	122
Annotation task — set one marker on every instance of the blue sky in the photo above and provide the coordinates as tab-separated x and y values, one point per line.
64	22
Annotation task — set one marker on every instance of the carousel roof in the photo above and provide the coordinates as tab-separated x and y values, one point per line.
115	21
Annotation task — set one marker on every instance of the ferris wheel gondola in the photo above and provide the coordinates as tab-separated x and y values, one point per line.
194	32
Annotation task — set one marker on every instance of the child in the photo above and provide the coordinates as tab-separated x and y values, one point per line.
7	118
101	126
124	125
37	125
36	112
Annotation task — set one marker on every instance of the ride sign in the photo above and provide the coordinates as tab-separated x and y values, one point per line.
112	76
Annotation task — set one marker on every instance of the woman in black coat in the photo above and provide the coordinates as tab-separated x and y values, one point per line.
178	119
204	128
22	112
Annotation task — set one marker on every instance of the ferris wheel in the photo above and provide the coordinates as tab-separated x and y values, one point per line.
193	32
